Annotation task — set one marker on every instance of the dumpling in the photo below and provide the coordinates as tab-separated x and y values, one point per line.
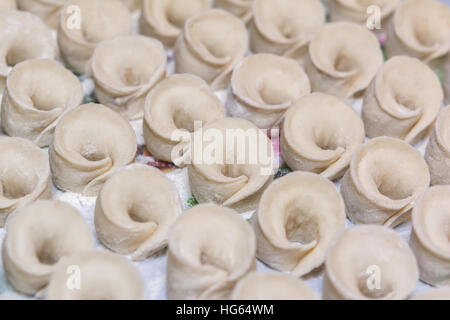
210	249
298	218
125	69
24	175
167	111
90	143
385	178
95	275
272	286
232	164
264	86
370	263
98	20
324	145
37	237
343	58
437	153
8	5
133	4
211	45
447	81
37	94
23	36
402	101
435	294
285	27
135	210
357	10
240	8
165	19
48	10
430	235
421	29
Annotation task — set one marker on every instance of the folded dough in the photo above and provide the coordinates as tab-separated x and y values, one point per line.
402	101
240	8
133	4
100	20
447	81
272	286
135	210
435	294
37	94
210	249
264	86
23	36
356	10
24	175
298	218
343	58
232	164
90	143
437	153
385	178
430	235
285	27
370	263
322	144
210	46
421	29
125	69
37	237
102	276
165	19
48	10
8	5
167	110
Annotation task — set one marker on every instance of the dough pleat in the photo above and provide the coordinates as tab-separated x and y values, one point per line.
37	237
210	249
38	93
298	218
135	210
385	178
90	143
240	8
324	145
48	10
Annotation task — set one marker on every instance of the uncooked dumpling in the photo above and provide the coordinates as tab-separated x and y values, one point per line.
37	237
90	143
24	175
23	36
165	19
315	143
125	69
232	164
80	31
240	8
421	29
370	263
132	4
402	101
298	218
385	178
447	81
285	27
211	45
272	286
264	86
135	210
210	249
48	10
357	10
95	275
8	5
167	111
430	235
435	294
343	58
437	153
38	93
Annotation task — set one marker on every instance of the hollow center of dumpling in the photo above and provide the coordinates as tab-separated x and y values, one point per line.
92	153
47	252
183	120
288	30
372	286
392	187
43	102
17	54
326	141
138	213
405	102
301	227
343	63
132	78
17	185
